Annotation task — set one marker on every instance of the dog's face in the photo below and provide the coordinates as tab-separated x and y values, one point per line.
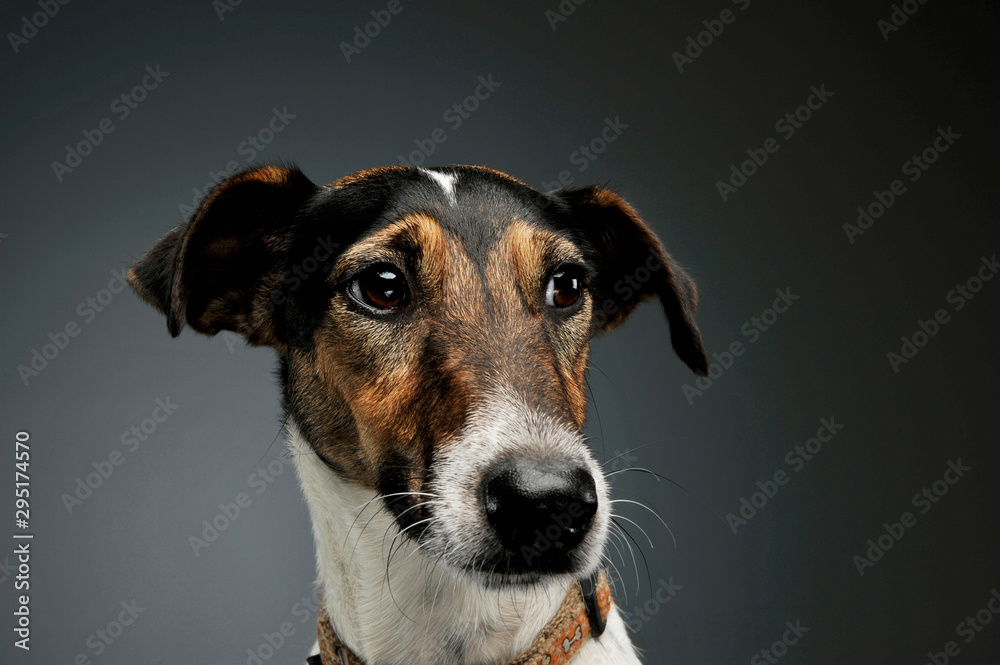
433	327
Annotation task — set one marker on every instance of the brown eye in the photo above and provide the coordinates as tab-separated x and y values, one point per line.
381	286
565	287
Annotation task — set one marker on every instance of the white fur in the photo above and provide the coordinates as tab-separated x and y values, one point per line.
446	181
507	426
411	613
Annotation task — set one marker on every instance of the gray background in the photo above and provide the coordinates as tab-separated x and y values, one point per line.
825	357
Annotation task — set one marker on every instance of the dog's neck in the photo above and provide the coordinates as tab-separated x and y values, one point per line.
409	610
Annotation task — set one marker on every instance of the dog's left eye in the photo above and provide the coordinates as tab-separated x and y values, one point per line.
565	287
381	286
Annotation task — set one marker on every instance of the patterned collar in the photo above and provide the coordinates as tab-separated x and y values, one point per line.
583	614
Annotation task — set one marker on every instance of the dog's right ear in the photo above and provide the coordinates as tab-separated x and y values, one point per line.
623	246
216	272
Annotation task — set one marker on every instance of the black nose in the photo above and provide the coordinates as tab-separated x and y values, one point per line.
540	510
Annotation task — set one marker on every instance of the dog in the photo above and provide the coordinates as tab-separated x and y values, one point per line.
433	327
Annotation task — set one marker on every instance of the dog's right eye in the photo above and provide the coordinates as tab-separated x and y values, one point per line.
381	287
565	287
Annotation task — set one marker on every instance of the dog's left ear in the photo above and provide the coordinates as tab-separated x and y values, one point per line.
217	271
632	266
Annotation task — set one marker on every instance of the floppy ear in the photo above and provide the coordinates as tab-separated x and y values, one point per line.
632	267
216	271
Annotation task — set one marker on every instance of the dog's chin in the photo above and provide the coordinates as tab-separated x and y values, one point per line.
495	580
504	570
519	580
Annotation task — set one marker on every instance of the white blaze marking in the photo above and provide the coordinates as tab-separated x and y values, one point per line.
446	181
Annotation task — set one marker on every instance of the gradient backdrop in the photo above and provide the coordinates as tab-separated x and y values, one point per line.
222	73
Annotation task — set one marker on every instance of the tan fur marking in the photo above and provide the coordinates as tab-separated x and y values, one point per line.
420	231
363	175
483	334
271	174
531	251
376	366
516	272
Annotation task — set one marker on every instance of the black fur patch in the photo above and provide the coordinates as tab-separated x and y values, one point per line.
257	258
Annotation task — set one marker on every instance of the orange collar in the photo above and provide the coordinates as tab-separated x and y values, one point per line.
556	644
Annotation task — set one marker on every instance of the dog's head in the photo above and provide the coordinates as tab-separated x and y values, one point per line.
433	327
